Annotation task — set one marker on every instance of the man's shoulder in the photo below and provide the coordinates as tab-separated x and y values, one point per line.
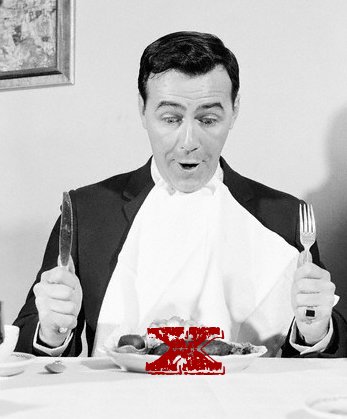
265	193
114	186
276	210
244	188
115	183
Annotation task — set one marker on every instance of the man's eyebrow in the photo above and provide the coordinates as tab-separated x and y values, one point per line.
176	105
169	103
211	105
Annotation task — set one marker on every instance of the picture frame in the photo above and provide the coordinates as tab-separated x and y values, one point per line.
38	43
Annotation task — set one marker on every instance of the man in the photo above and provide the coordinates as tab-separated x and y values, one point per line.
184	235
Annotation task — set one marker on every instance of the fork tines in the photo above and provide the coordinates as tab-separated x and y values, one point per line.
307	220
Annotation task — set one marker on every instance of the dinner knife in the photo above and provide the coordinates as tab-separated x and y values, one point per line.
66	231
65	237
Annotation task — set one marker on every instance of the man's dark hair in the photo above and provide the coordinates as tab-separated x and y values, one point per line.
192	53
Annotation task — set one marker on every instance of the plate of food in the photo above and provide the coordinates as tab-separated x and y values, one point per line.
132	352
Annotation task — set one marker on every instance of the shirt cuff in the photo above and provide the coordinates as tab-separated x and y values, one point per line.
51	351
318	347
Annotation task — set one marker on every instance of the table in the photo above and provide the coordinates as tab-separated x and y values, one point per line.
96	388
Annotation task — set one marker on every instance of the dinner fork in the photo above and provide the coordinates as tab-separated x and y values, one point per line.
307	230
307	238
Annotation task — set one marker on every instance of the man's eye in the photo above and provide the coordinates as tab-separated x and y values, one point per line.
208	122
171	120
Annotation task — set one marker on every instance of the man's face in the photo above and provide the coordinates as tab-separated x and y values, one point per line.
188	120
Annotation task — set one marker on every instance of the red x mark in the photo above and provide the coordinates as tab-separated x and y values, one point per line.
185	354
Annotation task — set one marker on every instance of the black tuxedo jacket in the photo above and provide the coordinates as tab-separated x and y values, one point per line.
103	214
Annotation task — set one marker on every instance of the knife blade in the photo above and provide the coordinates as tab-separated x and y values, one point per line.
65	237
66	231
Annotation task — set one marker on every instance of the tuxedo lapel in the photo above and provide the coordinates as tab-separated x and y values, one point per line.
134	194
238	185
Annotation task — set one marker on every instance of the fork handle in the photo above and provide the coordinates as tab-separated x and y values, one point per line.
307	257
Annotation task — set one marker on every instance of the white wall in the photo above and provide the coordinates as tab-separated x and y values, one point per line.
290	134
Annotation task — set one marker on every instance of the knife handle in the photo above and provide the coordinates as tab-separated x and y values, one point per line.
69	267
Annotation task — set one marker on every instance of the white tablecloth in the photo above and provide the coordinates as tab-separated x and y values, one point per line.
95	388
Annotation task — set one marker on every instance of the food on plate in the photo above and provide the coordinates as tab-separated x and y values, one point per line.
134	340
158	350
220	348
149	345
216	347
175	321
242	348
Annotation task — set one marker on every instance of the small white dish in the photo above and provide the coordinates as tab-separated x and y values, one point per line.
131	362
15	364
330	407
137	363
10	341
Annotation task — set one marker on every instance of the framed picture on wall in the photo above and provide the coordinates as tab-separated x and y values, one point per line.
36	43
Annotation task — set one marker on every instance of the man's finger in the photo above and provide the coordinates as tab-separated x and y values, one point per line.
59	275
63	307
310	270
46	306
313	300
309	285
56	291
46	291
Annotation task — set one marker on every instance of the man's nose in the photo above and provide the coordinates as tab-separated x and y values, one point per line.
188	139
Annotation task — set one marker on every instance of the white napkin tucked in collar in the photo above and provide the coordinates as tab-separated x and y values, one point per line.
210	186
200	256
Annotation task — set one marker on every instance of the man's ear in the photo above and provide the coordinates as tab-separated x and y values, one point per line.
142	107
236	109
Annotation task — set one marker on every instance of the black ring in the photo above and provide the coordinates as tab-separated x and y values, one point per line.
310	313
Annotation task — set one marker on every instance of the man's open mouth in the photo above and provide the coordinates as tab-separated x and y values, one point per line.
189	166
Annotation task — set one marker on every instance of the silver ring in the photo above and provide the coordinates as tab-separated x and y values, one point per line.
63	330
310	313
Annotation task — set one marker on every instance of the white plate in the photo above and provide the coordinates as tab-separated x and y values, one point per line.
137	363
333	407
15	364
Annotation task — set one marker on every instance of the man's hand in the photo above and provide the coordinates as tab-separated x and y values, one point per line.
312	289
58	301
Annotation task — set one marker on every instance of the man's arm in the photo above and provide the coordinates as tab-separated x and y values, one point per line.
337	347
28	317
